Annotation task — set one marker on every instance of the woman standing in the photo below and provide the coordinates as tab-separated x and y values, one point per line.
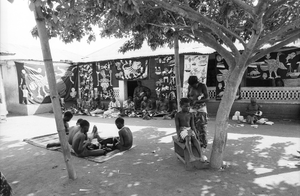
198	94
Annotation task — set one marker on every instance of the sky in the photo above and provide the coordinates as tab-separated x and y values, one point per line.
17	21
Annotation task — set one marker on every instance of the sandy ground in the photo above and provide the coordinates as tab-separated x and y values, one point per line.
261	161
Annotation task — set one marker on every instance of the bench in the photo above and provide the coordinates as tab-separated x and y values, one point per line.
182	154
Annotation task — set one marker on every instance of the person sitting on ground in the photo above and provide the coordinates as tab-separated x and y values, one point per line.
253	111
99	108
128	107
81	143
139	93
66	119
162	105
123	142
125	138
113	108
185	128
146	108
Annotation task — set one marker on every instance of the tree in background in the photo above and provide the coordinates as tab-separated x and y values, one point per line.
260	26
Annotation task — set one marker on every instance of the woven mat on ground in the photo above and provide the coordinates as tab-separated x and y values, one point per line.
42	141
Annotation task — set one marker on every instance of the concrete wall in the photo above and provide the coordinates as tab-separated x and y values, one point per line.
10	81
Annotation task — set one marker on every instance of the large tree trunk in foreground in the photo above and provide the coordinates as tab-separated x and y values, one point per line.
53	91
220	136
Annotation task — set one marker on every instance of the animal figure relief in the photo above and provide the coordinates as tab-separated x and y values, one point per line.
274	65
133	70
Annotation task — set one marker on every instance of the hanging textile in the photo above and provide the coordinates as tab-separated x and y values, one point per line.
86	86
165	77
131	69
103	84
194	65
284	65
32	76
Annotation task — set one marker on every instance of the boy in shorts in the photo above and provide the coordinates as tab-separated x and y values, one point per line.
185	127
125	139
81	143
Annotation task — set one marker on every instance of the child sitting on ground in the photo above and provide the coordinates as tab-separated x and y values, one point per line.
81	144
123	142
185	127
253	111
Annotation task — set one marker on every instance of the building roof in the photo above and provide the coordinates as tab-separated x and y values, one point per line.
20	52
111	52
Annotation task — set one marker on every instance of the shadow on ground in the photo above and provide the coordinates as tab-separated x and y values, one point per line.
259	164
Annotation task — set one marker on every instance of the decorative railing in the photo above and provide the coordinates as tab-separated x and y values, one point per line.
265	93
260	93
116	93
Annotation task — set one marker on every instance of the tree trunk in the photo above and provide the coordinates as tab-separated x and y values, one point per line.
177	70
220	136
40	22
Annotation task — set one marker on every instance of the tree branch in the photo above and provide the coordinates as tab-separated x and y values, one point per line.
218	29
245	7
211	42
273	48
279	31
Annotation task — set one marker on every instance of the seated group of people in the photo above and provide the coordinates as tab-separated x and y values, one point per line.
81	143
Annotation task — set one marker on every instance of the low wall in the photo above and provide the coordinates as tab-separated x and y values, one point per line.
270	109
23	109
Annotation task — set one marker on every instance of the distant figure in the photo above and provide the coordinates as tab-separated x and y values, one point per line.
185	128
25	95
139	92
279	82
162	105
128	107
98	107
114	107
81	143
253	111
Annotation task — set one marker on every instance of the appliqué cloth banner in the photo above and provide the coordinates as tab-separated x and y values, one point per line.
131	69
194	65
165	77
33	77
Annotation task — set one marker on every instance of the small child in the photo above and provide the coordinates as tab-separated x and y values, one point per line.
25	95
253	111
185	127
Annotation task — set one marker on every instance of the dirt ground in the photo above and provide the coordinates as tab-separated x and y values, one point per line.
261	161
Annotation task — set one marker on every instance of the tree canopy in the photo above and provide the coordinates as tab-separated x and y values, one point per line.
212	22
